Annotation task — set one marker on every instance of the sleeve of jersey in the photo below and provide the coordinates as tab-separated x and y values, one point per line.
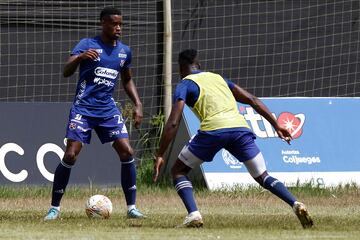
229	83
188	91
127	63
81	47
180	92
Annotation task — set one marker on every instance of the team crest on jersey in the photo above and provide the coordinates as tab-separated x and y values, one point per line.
72	126
122	63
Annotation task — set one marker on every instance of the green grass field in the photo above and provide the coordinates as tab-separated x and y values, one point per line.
241	214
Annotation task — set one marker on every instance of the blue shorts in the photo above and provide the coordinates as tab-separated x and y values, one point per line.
240	143
108	129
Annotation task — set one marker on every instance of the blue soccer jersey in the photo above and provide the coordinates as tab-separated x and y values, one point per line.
98	78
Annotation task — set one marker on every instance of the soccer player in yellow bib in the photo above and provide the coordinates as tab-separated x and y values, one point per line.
213	99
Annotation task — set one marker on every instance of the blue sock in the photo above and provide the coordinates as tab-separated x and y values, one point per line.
279	189
128	181
185	190
61	179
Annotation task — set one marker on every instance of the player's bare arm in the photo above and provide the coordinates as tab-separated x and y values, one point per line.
242	96
169	133
130	89
74	61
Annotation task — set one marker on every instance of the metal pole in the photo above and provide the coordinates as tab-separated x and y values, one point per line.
167	70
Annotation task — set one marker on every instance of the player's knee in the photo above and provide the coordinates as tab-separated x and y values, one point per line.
179	169
175	173
126	155
69	158
260	179
124	151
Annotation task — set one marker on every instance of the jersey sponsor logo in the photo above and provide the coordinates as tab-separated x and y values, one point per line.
262	128
122	55
99	50
230	160
106	72
114	133
122	62
103	81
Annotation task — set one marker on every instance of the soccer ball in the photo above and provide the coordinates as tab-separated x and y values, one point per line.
98	206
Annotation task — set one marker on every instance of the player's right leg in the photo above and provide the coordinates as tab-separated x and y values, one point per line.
61	177
78	132
202	147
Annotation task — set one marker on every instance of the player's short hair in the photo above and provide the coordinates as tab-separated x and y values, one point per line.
107	11
187	57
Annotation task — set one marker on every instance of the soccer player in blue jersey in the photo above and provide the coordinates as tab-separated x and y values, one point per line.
102	59
213	99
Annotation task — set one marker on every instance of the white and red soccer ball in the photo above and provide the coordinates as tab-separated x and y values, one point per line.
98	206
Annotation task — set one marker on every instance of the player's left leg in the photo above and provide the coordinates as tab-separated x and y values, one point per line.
257	169
113	130
245	150
128	175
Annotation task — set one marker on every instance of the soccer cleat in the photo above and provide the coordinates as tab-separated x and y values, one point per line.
303	215
193	220
135	213
52	214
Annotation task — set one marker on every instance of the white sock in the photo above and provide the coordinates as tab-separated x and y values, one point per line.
130	207
57	208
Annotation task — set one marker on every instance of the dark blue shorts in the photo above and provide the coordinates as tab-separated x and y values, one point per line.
108	129
239	143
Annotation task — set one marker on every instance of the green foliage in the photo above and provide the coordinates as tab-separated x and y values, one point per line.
149	141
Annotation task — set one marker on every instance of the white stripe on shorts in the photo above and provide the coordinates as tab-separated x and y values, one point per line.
188	158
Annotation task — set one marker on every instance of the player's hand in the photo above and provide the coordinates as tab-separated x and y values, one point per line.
89	54
137	116
158	163
284	134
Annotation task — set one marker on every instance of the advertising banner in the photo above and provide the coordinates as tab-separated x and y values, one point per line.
32	145
323	152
